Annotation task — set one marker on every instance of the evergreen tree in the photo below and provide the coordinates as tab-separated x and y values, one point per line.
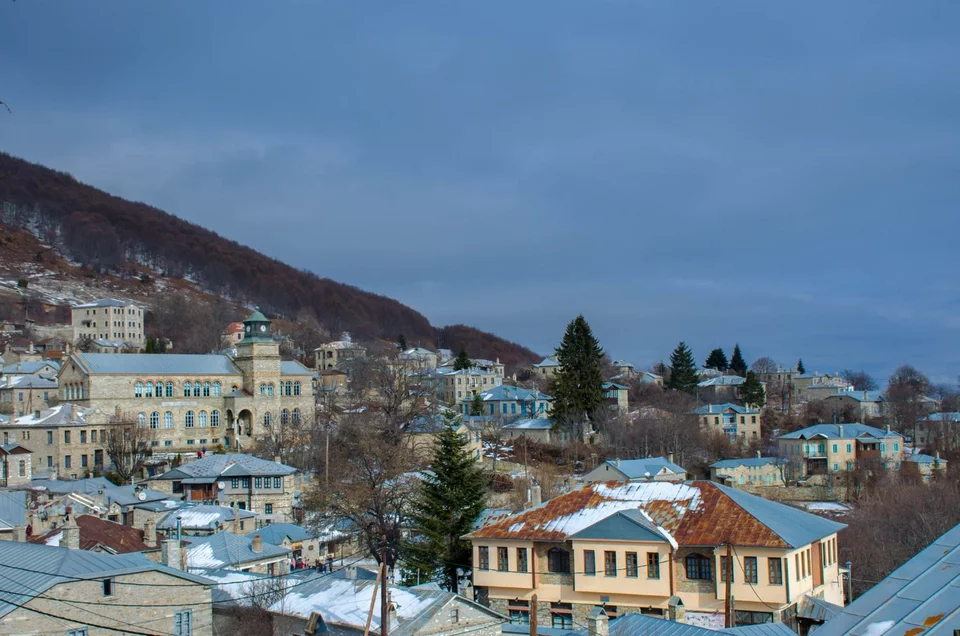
448	500
717	360
737	364
463	361
683	370
402	343
751	391
800	367
577	388
476	406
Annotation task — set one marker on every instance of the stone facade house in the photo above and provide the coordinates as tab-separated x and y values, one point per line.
22	394
466	383
645	469
546	368
109	320
230	551
750	471
634	547
332	354
67	439
511	402
739	423
201	520
864	404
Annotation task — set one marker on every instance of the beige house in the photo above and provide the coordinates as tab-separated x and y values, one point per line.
634	547
67	439
749	471
720	388
20	394
646	469
16	466
804	382
109	319
615	396
827	451
865	404
232	335
195	402
494	367
419	358
331	354
925	467
102	594
421	433
467	383
546	368
738	422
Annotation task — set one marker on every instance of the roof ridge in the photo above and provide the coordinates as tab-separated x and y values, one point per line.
723	492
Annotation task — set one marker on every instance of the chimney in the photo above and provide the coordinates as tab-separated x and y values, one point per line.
20	532
276	458
256	545
150	533
675	610
599	623
670	457
350	572
170	553
535	498
70	532
236	523
840	430
758	454
618	462
888	429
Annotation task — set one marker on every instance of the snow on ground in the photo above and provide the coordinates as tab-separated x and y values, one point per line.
830	507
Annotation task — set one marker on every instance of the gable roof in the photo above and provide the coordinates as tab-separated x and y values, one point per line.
547	362
202	517
228	465
632	624
89	485
128	495
749	462
30	367
100	533
275	533
626	525
718	409
105	302
921	596
62	414
507	392
292	367
225	549
150	364
613	385
840	431
530	424
859	396
645	467
26	382
13	509
723	380
693	513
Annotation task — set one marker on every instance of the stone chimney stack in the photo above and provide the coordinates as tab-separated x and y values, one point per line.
535	497
20	533
150	533
170	553
70	532
758	454
599	623
350	572
256	545
670	457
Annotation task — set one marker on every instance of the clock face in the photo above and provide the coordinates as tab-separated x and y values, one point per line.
263	327
248	328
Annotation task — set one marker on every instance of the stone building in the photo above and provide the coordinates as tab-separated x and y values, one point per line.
332	354
109	320
192	402
66	440
16	466
20	394
466	383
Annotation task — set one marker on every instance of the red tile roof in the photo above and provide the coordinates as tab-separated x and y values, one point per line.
99	533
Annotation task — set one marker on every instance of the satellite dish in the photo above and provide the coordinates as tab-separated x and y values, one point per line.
142	496
222	485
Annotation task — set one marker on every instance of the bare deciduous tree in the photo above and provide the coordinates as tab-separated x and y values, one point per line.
903	398
128	446
764	365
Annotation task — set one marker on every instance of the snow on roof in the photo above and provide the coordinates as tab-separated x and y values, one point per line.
547	362
60	414
723	380
105	302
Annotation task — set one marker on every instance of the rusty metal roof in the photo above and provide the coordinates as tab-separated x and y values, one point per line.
693	513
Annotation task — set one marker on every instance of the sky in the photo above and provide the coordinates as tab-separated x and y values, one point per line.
785	176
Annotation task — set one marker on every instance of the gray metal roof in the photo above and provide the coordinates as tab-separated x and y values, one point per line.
27	382
921	596
275	533
150	364
128	495
633	624
229	465
647	466
749	461
225	549
796	527
817	609
764	629
626	525
840	431
88	486
30	569
105	302
530	424
13	508
30	367
292	367
201	517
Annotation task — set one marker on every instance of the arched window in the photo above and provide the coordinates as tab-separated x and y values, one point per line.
296	388
148	390
188	420
196	389
558	561
270	389
142	420
186	388
285	417
216	389
263	389
214	419
266	418
289	388
206	389
168	420
154	420
138	389
296	416
699	568
202	420
234	388
169	389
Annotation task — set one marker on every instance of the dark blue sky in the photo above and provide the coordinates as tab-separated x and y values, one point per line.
785	176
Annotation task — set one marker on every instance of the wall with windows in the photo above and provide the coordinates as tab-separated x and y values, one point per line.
109	323
842	454
612	567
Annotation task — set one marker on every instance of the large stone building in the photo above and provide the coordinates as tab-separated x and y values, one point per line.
66	441
109	320
196	401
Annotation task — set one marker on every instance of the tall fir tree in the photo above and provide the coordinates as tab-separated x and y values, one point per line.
448	500
717	360
800	368
751	391
463	361
402	343
683	369
737	364
578	386
476	406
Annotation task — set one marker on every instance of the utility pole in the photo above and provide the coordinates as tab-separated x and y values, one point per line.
849	582
533	615
728	600
384	602
373	599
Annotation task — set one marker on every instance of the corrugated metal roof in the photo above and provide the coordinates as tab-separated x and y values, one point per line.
633	624
817	609
90	485
275	533
843	430
150	364
763	629
13	508
647	466
530	424
26	382
31	367
718	409
749	461
105	302
225	549
202	517
723	380
547	362
922	596
506	392
292	367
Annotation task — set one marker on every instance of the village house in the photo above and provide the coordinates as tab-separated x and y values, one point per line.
546	368
66	439
241	481
332	354
91	533
21	394
109	319
939	430
192	402
201	520
639	547
230	551
37	368
511	401
749	471
924	467
804	382
494	367
646	469
720	388
615	396
467	383
828	451
535	429
421	433
64	585
864	405
134	502
418	358
232	335
739	423
302	543
332	380
16	466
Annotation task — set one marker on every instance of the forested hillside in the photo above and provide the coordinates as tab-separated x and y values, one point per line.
108	234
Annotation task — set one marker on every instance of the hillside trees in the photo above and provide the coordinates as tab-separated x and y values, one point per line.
462	362
717	360
751	391
577	387
683	370
737	364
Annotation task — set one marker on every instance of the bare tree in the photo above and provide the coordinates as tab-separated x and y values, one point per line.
128	446
903	397
267	592
860	380
764	365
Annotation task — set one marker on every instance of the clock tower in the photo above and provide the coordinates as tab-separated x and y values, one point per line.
258	354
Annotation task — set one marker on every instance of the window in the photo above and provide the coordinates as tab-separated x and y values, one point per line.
896	446
188	419
775	571
796	565
186	389
138	389
263	388
191	442
483	556
83	461
270	390
589	562
519	612
169	389
753	618
809	569
66	461
216	389
196	389
723	571
835	446
66	437
266	418
142	420
278	482
883	448
202	419
245	482
49	437
653	565
699	568
284	417
849	448
296	388
214	419
558	561
155	420
503	560
168	442
609	563
148	390
183	623
561	615
296	416
521	559
83	437
168	420
22	468
268	509
258	482
78	632
289	388
235	482
108	587
206	389
750	569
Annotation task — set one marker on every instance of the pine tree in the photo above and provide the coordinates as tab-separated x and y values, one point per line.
717	360
737	364
800	368
578	386
476	406
751	391
402	343
448	500
463	361
683	370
